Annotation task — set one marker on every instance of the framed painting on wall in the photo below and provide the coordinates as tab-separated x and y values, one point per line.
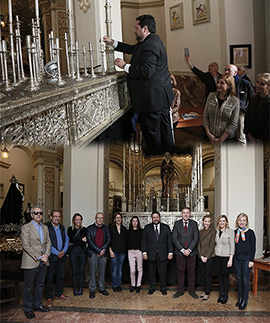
177	16
200	11
240	55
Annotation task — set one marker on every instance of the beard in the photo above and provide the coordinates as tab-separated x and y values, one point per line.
138	38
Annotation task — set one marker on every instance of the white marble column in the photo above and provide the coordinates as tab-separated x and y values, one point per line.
239	186
85	182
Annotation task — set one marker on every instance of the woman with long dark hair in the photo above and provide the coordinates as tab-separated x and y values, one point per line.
77	252
117	250
135	253
245	246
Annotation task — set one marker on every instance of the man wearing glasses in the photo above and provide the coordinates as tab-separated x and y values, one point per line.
36	250
60	241
244	91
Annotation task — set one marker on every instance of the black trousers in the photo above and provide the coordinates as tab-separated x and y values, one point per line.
157	131
223	280
56	271
33	278
77	262
161	266
205	275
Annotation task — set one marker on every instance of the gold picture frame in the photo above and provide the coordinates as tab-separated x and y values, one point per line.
176	16
200	11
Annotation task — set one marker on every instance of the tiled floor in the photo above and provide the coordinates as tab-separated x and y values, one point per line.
131	307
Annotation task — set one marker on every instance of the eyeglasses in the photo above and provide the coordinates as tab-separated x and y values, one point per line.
227	69
56	216
37	213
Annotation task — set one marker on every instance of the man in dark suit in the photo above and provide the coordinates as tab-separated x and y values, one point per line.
149	84
36	250
60	242
185	238
157	247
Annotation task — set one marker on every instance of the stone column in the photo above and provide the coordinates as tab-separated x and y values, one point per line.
86	176
47	166
239	186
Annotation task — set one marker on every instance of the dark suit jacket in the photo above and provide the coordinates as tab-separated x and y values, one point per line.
179	237
149	79
150	244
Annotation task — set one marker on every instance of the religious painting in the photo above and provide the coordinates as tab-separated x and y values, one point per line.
200	11
177	16
240	55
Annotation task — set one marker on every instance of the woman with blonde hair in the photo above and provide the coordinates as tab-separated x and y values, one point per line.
206	253
258	113
221	113
224	251
245	246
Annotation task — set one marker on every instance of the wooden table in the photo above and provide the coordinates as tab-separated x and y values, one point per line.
259	263
182	123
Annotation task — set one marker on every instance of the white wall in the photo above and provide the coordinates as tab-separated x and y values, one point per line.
202	40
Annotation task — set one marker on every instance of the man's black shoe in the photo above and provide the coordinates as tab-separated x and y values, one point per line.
119	288
164	292
178	294
151	291
92	295
193	295
42	308
30	314
104	292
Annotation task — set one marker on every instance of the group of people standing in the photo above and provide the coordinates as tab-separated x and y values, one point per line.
45	249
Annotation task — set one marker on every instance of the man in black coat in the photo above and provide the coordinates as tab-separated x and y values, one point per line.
157	247
149	84
185	238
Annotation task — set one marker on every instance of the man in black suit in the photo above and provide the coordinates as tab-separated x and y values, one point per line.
185	238
149	84
157	247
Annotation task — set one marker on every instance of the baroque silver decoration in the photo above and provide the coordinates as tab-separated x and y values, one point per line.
76	114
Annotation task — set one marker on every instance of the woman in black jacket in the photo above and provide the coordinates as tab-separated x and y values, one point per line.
117	250
77	252
134	243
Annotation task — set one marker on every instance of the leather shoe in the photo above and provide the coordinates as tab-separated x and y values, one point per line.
104	292
151	291
178	294
92	295
224	300
193	295
115	289
63	297
164	292
119	288
30	314
243	305
138	289
239	302
132	289
42	308
49	302
220	299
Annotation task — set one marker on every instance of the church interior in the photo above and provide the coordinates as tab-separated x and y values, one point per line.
67	143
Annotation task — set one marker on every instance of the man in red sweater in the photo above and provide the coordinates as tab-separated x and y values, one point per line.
98	238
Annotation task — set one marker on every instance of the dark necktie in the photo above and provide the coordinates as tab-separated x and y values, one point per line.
185	227
156	230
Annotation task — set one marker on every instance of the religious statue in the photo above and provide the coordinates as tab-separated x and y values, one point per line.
167	174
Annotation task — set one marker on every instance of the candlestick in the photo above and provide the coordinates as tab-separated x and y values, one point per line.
12	43
109	48
31	86
93	75
78	77
1	59
84	61
18	56
8	87
57	49
102	52
20	48
67	55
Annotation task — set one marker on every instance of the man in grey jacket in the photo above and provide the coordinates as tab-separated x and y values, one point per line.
185	239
